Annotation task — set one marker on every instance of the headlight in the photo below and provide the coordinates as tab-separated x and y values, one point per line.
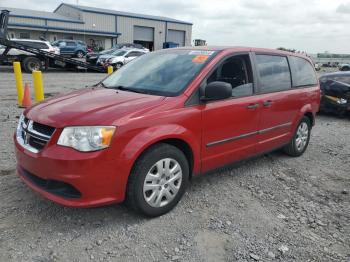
342	101
86	138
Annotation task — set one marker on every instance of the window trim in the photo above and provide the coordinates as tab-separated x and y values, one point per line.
259	92
189	102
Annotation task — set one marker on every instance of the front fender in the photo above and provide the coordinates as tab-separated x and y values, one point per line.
152	135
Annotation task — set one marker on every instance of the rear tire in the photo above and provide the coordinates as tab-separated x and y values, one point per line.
300	140
31	63
158	180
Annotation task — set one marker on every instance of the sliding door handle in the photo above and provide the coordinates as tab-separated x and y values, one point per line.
252	106
267	103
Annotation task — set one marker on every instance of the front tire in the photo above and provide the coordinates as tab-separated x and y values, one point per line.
80	54
300	140
158	180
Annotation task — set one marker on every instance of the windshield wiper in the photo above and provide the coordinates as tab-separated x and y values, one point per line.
130	89
100	84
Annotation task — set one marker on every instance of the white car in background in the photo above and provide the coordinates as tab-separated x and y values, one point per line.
39	44
29	61
120	57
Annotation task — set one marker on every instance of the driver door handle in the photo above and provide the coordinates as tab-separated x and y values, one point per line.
267	103
253	106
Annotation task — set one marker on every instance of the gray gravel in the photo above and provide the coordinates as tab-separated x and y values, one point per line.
273	207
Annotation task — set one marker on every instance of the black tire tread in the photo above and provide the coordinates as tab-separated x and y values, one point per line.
26	61
290	149
141	165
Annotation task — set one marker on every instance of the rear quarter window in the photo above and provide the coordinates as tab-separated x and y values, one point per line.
273	73
303	73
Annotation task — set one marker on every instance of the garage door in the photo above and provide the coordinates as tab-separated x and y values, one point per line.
142	33
176	36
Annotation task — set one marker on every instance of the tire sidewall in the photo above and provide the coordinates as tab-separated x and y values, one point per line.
307	121
141	170
29	60
80	52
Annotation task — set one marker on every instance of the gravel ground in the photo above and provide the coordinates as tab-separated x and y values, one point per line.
273	207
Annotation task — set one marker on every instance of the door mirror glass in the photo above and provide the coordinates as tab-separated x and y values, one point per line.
217	90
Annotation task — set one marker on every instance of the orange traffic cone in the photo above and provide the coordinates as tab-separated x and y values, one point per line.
26	102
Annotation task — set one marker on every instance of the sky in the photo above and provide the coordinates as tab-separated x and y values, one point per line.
306	25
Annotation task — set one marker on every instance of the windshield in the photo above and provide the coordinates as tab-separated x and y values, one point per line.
106	52
118	53
165	73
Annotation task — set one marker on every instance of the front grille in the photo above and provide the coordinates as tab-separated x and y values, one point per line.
44	129
55	187
34	135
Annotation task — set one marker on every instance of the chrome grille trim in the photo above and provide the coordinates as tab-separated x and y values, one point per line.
25	132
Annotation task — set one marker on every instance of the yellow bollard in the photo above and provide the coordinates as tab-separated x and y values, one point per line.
19	83
110	70
38	86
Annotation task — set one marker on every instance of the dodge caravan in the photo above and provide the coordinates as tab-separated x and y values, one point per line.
141	133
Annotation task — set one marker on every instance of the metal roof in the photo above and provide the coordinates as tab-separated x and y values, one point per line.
121	13
27	13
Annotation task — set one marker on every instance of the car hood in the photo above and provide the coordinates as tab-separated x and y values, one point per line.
93	106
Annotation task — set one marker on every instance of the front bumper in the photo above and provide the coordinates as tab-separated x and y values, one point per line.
327	105
72	178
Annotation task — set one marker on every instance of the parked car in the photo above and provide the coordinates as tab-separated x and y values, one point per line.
143	132
335	90
344	67
120	57
129	45
28	60
74	48
93	56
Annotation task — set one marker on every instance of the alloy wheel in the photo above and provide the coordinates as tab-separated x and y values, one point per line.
302	136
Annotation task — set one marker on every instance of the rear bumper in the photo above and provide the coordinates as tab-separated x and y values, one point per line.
72	178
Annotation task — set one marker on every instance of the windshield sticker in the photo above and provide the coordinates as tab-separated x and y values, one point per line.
200	59
201	52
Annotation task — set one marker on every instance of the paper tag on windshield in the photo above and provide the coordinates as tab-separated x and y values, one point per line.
200	58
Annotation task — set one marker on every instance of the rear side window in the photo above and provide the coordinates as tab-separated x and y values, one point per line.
71	44
273	73
303	73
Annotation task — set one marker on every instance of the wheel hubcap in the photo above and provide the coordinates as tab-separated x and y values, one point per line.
34	66
162	182
302	136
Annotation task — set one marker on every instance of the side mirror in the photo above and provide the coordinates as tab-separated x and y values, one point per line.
216	90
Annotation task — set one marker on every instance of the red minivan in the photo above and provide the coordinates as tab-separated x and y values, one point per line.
143	132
